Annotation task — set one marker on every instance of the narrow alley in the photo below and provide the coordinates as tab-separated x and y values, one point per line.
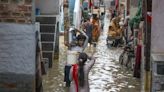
81	46
107	75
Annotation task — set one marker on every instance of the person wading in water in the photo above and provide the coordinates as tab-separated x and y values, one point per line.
88	27
77	46
79	74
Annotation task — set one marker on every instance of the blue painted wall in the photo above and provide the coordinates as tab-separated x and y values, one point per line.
71	9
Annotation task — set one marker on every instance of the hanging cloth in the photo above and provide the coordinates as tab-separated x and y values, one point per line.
149	18
90	4
75	76
116	4
138	62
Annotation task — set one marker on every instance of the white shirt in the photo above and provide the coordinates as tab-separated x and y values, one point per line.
77	48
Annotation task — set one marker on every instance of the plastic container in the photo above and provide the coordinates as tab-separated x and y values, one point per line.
37	11
157	67
70	35
72	57
44	65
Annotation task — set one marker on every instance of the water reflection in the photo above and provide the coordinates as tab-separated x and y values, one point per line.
53	81
107	75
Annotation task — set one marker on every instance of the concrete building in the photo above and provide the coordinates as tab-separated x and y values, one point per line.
17	46
157	49
61	22
133	7
49	17
19	64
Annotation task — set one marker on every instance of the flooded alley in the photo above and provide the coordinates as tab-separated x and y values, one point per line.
107	75
81	46
54	80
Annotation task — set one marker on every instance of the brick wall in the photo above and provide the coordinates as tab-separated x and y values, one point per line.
16	11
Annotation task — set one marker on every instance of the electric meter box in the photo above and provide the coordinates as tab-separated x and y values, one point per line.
157	72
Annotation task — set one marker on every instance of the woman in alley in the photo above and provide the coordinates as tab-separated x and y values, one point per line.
79	74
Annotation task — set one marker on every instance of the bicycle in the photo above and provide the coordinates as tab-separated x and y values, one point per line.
127	57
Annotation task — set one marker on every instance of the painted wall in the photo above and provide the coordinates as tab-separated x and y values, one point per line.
17	57
77	15
157	42
48	6
133	7
61	21
71	10
61	25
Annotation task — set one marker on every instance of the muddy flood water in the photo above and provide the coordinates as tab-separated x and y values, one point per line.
107	75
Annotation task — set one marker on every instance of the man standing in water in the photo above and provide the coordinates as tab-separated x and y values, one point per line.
102	20
88	27
74	48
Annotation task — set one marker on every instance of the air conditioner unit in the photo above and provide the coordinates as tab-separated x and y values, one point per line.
157	72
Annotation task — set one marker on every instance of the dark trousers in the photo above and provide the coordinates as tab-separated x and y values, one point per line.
66	75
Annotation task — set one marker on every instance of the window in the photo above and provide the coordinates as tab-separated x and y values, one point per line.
160	69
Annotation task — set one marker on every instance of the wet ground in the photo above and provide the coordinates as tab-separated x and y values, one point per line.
53	81
106	75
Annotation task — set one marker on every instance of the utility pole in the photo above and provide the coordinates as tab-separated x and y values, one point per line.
99	8
104	6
